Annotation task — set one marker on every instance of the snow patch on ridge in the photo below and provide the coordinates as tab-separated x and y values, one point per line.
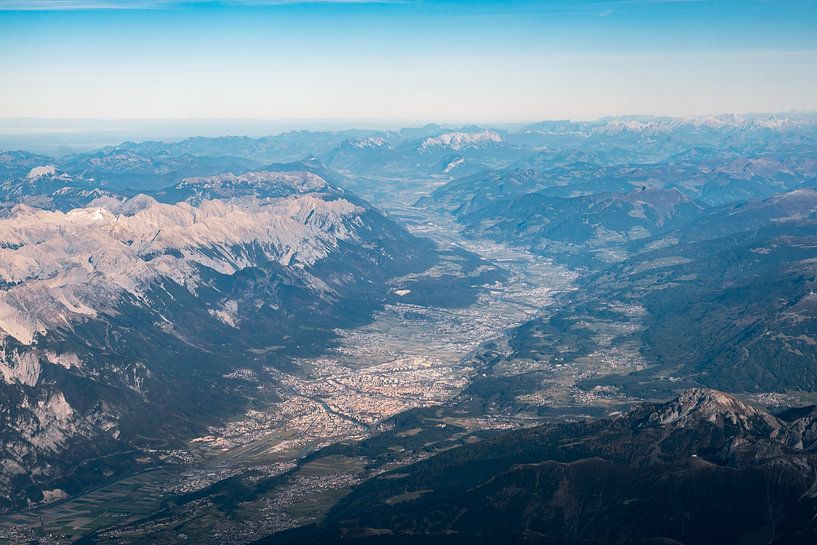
368	142
461	140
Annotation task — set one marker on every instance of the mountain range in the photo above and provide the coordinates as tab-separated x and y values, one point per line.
607	337
704	468
126	304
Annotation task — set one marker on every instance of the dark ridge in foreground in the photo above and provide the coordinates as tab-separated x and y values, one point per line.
705	468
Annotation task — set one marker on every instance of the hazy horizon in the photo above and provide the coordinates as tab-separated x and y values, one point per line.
65	136
381	60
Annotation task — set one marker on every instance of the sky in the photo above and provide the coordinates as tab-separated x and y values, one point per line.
404	61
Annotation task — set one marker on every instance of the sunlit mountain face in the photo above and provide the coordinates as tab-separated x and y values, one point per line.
383	272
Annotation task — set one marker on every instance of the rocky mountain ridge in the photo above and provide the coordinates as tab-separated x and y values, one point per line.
702	468
120	318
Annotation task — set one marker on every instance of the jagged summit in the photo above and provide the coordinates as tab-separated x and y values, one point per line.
698	405
61	265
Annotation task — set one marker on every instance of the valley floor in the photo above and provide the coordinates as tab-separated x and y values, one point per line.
413	354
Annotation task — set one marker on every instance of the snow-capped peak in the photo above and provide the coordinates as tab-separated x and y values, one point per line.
619	126
459	140
39	172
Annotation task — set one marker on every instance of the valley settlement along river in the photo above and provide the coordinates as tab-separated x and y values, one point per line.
408	356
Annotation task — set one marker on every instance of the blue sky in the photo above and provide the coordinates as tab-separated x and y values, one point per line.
404	60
